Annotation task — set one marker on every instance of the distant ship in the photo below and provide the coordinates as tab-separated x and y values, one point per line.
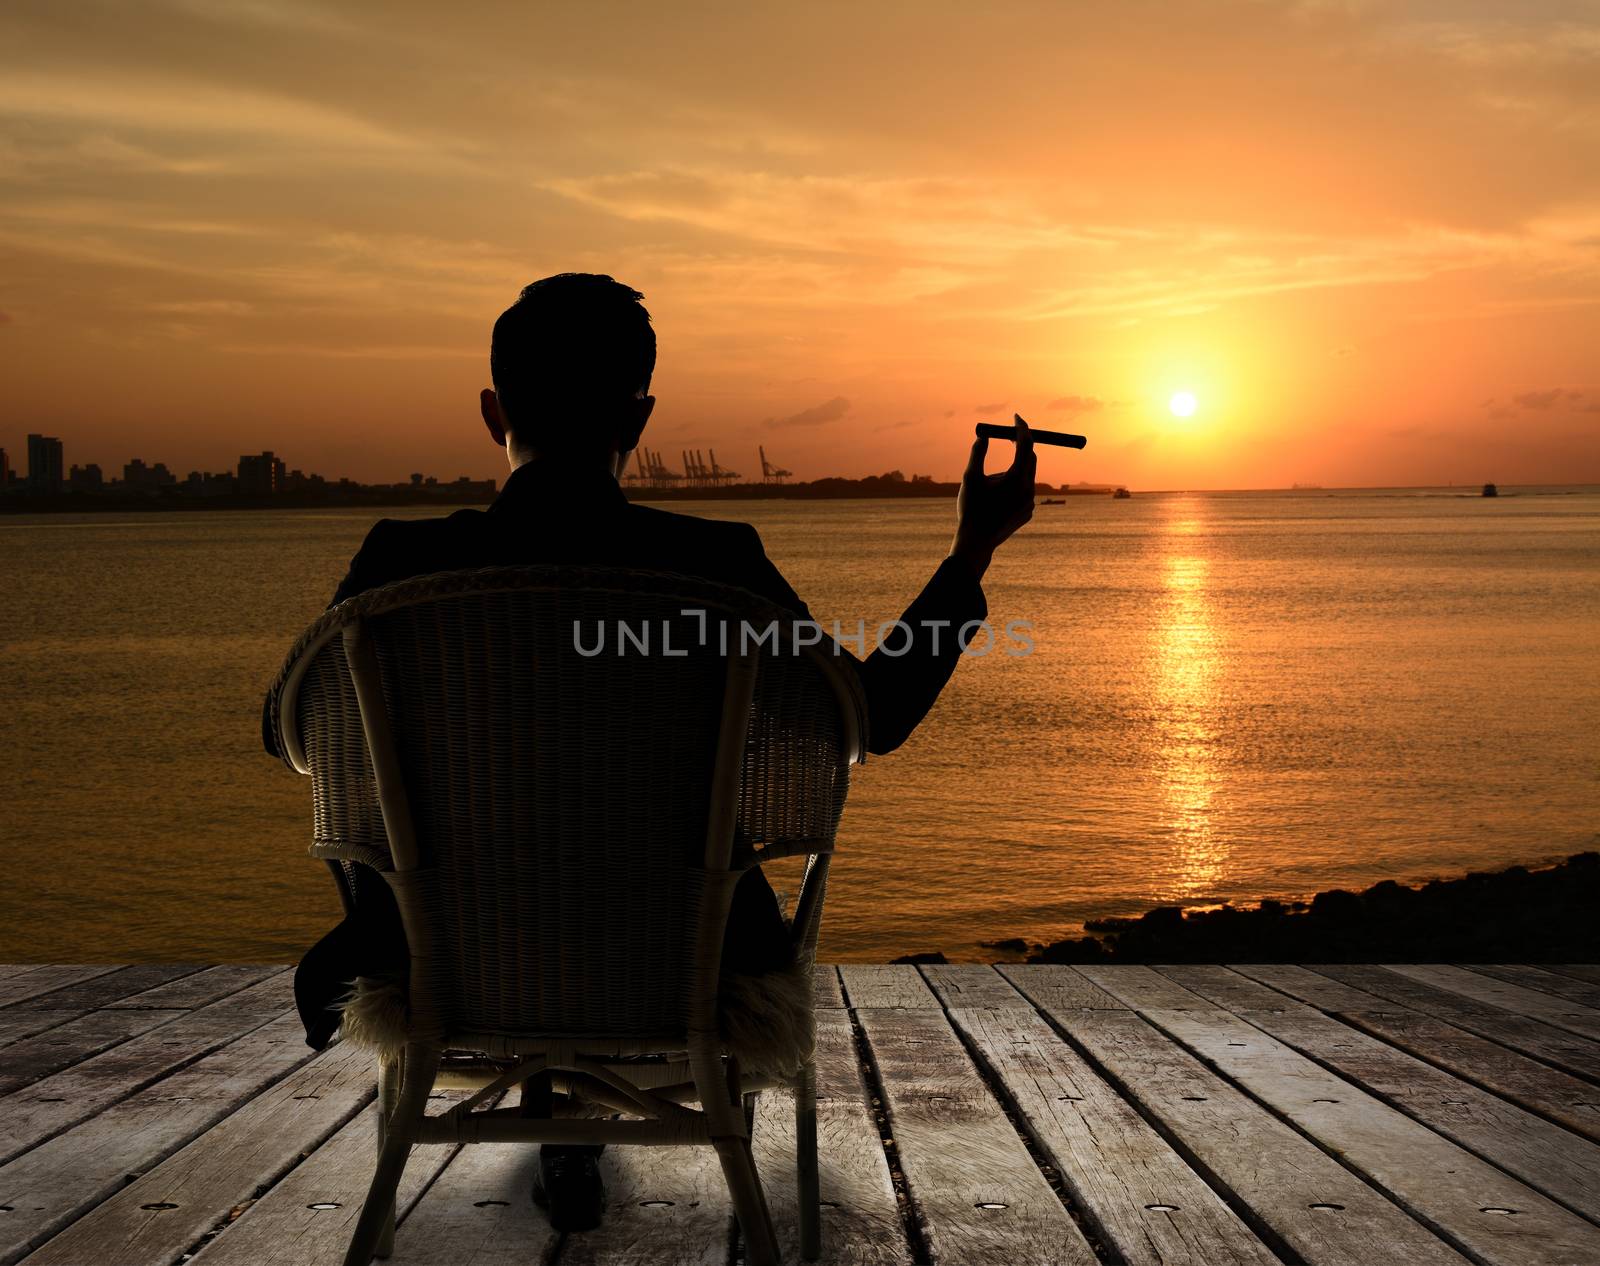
1121	494
1305	487
1054	501
1489	490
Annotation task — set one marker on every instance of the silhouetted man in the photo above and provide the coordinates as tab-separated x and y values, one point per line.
571	361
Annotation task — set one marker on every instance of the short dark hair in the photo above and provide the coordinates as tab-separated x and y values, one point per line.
575	341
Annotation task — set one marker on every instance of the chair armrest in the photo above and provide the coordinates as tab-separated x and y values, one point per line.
364	854
784	848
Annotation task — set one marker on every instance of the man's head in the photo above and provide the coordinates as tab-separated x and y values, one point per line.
571	361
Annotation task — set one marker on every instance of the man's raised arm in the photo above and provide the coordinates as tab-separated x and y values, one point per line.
902	682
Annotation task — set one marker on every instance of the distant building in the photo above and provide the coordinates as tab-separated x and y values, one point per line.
137	477
5	470
261	476
87	478
299	481
45	470
206	484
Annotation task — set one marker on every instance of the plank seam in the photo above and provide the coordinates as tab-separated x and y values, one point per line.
45	993
1100	1242
1560	969
126	1004
109	977
878	1102
1533	984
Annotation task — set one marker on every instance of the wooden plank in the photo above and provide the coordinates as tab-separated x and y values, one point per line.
203	987
971	985
16	1024
1498	1220
665	1205
477	1213
1058	987
67	1176
188	991
1296	1194
1582	992
1143	988
830	994
1578	971
1545	1156
1145	1201
52	1104
977	1195
104	988
293	1223
1565	1050
32	982
171	1207
1224	987
1497	993
1320	991
60	1047
1548	1091
860	1216
886	985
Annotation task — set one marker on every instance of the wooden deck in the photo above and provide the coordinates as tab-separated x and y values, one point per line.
1345	1115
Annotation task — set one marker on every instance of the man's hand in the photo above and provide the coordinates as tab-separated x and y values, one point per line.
989	508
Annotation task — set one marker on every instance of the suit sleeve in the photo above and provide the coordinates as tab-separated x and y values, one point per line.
356	580
901	683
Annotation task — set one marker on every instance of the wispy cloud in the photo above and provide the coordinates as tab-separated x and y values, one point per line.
828	411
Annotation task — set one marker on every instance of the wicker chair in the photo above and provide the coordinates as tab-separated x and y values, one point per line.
562	831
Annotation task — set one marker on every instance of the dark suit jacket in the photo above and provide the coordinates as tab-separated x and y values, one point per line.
558	514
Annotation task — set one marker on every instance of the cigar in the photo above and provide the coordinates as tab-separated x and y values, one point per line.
995	431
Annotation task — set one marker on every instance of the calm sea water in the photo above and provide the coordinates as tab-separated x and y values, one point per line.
1231	696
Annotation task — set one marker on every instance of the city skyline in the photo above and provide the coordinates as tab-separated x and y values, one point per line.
251	475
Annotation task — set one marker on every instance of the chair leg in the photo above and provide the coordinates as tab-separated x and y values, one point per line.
389	1074
749	1201
400	1132
808	1184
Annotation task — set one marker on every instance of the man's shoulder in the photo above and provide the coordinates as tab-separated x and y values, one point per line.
671	523
397	549
388	534
432	525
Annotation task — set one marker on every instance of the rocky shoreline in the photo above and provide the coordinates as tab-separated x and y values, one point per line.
1548	915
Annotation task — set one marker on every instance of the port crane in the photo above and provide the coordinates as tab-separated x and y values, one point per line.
651	472
771	474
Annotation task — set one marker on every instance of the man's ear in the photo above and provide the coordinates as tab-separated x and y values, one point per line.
489	406
634	421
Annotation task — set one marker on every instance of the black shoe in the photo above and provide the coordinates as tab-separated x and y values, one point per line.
569	1188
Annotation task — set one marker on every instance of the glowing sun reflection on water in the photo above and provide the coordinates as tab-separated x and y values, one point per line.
1188	675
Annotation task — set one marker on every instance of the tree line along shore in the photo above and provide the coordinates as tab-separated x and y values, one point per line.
1546	915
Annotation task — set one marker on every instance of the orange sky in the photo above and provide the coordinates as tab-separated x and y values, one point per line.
1367	236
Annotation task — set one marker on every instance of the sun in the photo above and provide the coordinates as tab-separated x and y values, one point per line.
1183	404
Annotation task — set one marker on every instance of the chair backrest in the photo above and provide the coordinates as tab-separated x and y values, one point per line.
554	733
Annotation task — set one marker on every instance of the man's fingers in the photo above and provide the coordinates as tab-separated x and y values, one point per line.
1025	461
980	450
